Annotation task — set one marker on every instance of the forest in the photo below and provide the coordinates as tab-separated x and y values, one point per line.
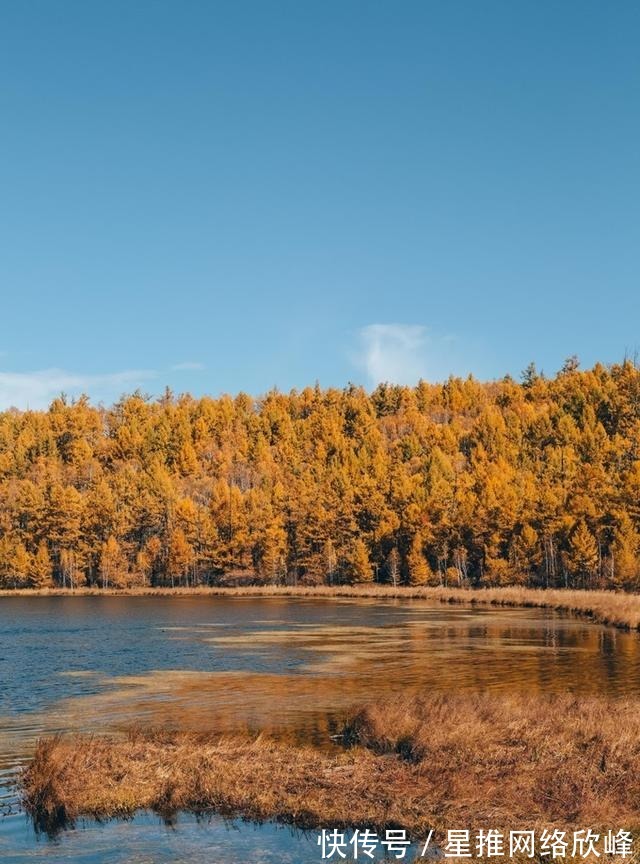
532	482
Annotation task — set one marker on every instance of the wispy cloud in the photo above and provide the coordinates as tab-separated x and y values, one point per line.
392	352
37	389
188	366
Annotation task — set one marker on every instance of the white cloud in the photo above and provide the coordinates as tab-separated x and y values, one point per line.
188	366
37	389
393	353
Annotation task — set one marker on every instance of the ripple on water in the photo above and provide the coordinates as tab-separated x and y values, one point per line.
290	666
147	840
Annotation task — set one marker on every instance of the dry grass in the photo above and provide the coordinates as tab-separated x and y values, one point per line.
436	761
256	779
514	760
616	609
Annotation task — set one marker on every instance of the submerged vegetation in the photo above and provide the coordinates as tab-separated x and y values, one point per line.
462	483
422	763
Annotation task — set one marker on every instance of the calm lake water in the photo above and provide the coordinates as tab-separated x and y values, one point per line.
292	667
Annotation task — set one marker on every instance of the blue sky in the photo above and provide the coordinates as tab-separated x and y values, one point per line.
226	196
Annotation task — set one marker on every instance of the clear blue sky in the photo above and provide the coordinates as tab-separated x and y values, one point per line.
274	193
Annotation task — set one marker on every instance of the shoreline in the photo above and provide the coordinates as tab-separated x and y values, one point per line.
415	763
610	608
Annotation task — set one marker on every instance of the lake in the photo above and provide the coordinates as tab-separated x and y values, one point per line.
292	667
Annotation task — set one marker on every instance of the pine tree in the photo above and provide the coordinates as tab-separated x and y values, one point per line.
21	564
143	568
583	554
419	570
527	554
359	564
187	459
625	562
41	569
330	562
271	561
113	568
504	482
180	557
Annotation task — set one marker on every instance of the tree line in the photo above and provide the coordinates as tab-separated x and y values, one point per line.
532	482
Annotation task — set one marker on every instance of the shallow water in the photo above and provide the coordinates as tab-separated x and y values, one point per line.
290	666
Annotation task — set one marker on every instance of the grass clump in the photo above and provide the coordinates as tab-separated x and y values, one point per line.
437	761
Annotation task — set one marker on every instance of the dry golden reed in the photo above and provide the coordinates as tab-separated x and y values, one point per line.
439	761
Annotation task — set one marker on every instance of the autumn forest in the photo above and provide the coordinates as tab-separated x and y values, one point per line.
533	482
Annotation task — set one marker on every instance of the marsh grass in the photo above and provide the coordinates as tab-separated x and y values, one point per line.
616	609
556	759
255	779
436	761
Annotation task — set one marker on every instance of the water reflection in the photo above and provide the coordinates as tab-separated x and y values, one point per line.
292	667
147	840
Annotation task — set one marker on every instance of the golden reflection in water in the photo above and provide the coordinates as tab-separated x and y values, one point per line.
345	665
